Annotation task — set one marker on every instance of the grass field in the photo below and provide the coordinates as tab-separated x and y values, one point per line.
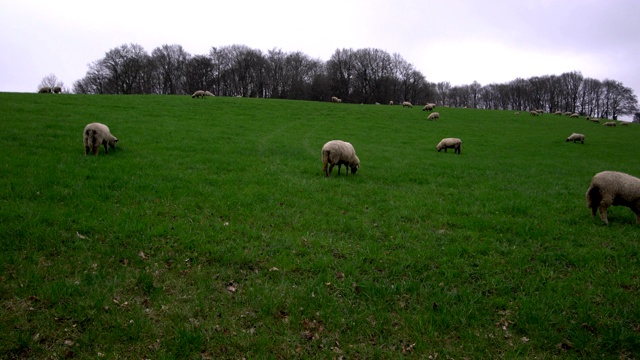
212	233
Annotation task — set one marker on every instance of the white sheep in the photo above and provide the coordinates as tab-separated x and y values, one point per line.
208	93
533	113
433	116
429	107
338	152
391	102
335	99
613	188
576	137
610	123
198	94
96	134
406	104
557	112
446	143
574	115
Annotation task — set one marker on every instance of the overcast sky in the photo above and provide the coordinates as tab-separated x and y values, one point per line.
491	41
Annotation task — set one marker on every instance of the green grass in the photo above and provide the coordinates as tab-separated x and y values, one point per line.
211	232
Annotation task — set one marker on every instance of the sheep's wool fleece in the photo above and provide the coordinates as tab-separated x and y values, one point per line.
618	183
341	151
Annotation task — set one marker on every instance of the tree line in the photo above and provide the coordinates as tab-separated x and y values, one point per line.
357	76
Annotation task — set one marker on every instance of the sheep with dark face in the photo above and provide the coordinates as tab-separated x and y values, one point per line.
610	123
338	152
56	89
96	134
406	104
433	116
44	90
613	188
447	143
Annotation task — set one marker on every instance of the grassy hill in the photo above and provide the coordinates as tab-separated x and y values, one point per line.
211	232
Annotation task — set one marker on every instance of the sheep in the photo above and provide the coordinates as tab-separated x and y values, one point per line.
56	89
624	123
429	107
335	99
338	152
517	113
574	115
446	143
44	90
533	113
557	112
433	116
198	94
613	188
391	102
576	137
406	104
94	135
610	123
567	113
208	93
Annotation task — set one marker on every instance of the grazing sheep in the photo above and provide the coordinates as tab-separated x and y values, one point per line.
391	102
406	104
610	123
338	152
96	134
446	143
335	99
517	113
208	93
576	137
44	90
533	113
624	123
199	94
56	89
429	107
567	113
574	115
557	112
433	116
612	188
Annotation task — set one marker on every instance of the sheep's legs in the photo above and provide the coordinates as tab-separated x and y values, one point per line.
86	150
95	150
106	151
330	170
603	214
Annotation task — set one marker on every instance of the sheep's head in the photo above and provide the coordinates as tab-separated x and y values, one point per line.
112	142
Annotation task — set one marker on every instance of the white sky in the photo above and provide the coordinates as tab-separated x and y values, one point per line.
491	41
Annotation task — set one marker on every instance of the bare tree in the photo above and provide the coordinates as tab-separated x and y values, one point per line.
50	81
170	62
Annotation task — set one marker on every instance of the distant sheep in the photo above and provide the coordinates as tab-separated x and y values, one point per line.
612	188
624	123
335	99
533	113
567	113
391	102
44	90
433	116
198	94
447	143
96	134
576	137
338	152
56	89
557	112
517	113
429	107
574	115
406	104
208	93
610	123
